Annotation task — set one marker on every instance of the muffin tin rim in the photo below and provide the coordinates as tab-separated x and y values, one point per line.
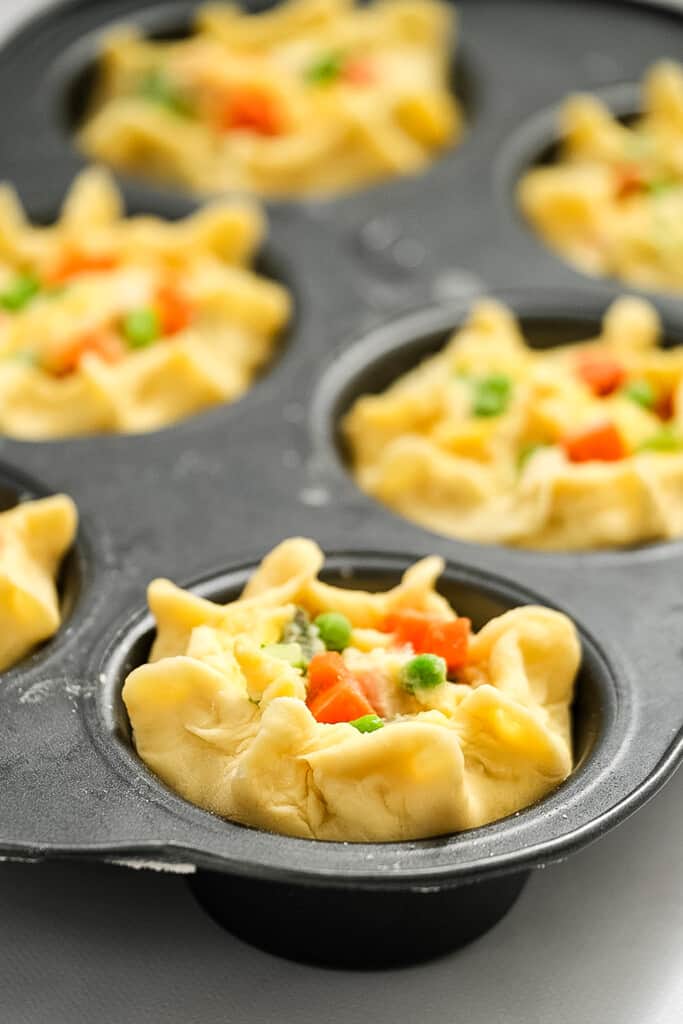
110	658
520	153
342	368
331	226
268	263
81	55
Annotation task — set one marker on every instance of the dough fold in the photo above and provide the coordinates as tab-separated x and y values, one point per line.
34	537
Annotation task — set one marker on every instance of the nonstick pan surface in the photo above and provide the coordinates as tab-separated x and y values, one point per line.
379	279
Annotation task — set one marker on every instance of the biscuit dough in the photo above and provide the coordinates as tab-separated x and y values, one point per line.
505	473
226	725
310	97
612	204
34	537
126	324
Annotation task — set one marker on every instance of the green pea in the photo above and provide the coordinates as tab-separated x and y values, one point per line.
19	292
141	327
661	186
423	672
641	392
368	723
157	87
665	440
335	630
492	395
324	70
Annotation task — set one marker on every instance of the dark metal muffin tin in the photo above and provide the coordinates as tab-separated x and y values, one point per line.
219	490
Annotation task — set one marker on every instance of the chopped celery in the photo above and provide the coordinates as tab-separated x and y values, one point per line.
302	631
291	653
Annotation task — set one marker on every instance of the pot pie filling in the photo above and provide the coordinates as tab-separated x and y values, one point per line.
314	96
567	448
612	203
323	712
34	537
127	324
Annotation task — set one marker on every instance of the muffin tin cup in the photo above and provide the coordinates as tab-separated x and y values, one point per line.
206	498
368	930
389	903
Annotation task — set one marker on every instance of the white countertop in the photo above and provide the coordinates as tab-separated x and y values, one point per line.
596	940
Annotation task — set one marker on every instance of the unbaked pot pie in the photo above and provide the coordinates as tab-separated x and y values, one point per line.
568	448
125	324
310	97
321	712
612	202
34	537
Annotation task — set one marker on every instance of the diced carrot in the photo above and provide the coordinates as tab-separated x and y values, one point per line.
359	72
450	640
428	634
106	344
175	309
374	686
600	441
334	694
601	373
252	109
324	671
409	626
343	702
74	262
665	406
628	180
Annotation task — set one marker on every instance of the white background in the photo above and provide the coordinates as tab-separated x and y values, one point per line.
596	940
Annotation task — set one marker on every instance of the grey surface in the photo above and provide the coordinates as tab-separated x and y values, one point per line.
597	939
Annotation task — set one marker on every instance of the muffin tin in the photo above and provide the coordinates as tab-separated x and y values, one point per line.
379	277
